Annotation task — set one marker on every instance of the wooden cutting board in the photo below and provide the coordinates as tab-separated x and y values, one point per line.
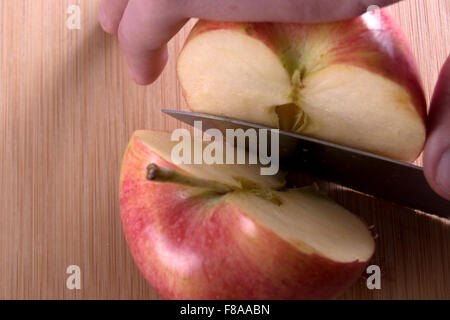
67	110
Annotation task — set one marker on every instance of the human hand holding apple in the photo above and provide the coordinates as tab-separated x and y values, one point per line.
145	26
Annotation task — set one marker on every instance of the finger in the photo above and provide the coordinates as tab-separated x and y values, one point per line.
110	13
280	11
437	148
146	27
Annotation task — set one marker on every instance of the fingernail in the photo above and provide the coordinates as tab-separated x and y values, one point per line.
443	172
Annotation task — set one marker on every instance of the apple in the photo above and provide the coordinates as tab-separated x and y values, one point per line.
352	82
227	232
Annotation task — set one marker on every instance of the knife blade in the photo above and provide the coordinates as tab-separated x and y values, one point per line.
394	181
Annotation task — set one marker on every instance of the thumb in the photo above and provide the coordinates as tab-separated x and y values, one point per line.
437	147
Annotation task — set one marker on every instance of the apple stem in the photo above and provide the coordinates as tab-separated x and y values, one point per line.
156	173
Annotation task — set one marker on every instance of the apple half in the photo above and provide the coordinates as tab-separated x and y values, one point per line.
226	232
352	82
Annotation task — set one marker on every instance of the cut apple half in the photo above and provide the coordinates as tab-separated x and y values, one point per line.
226	232
352	82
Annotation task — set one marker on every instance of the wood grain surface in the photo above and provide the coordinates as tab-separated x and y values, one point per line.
67	111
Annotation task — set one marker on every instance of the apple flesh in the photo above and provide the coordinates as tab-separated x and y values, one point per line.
352	82
226	232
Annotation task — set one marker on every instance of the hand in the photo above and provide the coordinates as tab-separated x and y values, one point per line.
436	157
145	26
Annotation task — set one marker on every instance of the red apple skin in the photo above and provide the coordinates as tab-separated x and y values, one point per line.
382	49
190	249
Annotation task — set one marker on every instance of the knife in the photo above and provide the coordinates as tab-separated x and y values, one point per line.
394	181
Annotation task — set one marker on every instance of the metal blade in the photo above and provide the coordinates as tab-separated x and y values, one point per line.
391	180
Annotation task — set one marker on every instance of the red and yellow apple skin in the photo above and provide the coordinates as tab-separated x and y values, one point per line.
191	247
371	44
